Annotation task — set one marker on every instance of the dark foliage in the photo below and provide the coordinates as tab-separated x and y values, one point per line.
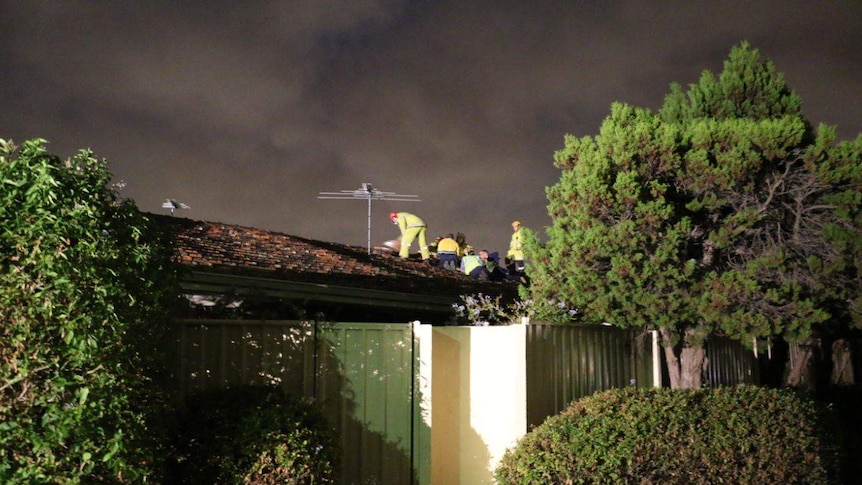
252	434
86	284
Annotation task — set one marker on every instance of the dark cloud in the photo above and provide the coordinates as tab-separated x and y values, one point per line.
247	110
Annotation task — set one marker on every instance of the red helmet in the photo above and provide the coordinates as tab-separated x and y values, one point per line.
393	216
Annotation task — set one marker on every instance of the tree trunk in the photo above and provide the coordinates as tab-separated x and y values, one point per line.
803	364
686	369
692	363
672	361
842	364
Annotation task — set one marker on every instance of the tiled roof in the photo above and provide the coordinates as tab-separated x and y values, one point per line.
230	249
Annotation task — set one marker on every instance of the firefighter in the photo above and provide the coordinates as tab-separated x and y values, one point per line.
411	227
515	256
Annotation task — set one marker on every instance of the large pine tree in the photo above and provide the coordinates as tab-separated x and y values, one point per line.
724	213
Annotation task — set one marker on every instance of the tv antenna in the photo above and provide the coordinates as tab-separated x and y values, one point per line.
174	205
369	193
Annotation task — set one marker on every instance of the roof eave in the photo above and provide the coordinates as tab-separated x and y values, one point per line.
210	282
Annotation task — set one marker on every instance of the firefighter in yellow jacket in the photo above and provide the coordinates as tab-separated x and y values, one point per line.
515	256
412	227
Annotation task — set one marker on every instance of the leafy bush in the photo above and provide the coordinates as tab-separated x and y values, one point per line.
252	434
85	288
728	435
482	310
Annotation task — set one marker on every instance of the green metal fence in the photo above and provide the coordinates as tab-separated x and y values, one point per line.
367	377
730	363
567	362
361	373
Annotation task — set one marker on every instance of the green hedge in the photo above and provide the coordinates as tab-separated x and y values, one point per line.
252	434
727	435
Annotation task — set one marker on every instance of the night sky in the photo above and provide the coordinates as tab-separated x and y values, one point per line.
247	110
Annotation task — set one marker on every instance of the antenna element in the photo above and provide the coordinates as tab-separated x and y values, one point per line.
369	193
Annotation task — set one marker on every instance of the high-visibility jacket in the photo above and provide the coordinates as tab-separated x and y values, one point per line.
406	220
448	245
515	251
470	262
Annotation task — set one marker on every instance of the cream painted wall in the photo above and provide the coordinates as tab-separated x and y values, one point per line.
479	400
422	403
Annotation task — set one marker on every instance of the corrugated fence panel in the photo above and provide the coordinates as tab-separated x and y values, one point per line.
567	362
361	373
218	353
365	379
730	363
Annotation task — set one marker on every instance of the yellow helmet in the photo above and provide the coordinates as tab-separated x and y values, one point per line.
516	223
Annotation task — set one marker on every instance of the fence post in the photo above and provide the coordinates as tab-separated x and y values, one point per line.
656	359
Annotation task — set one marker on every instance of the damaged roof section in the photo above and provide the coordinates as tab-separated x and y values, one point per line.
228	258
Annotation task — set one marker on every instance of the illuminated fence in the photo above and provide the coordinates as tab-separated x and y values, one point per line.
383	385
361	374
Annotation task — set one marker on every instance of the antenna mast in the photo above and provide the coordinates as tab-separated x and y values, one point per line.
368	193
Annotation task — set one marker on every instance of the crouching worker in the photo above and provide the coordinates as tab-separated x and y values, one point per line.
412	227
472	265
447	252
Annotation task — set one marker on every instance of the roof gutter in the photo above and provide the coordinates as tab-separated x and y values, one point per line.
205	282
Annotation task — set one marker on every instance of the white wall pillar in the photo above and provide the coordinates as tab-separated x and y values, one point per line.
422	347
479	405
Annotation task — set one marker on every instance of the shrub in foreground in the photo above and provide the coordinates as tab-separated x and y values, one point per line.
86	283
729	435
252	434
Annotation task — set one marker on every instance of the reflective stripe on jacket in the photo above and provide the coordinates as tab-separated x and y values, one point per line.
448	245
